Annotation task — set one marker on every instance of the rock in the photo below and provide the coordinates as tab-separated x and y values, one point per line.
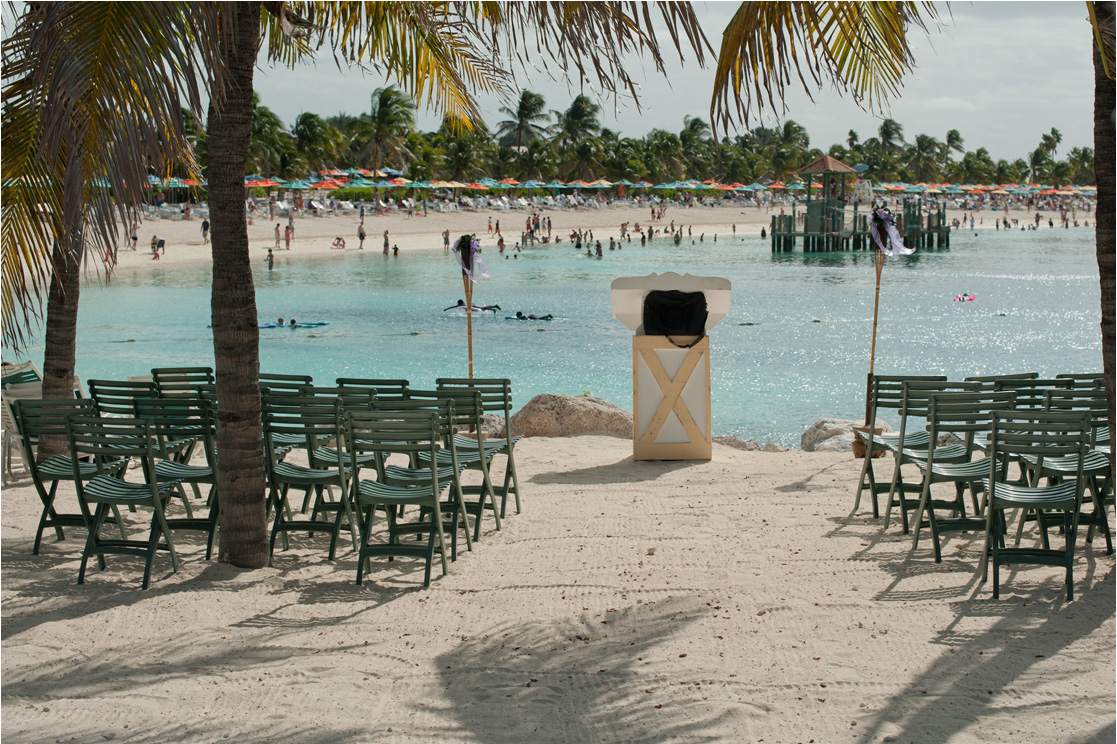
750	445
832	435
549	415
947	439
492	426
771	446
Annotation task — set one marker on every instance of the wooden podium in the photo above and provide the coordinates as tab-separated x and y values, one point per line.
670	400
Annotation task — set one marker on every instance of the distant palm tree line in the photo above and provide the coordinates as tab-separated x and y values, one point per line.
532	143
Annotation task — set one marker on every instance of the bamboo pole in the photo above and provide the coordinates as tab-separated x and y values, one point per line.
878	258
469	318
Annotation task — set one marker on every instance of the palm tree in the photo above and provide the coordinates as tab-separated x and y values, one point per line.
523	128
70	155
955	142
891	136
576	123
1050	142
315	140
269	139
1102	15
536	161
385	128
852	139
922	158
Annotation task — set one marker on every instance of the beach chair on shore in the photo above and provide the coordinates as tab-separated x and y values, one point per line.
314	421
40	418
466	412
181	380
1084	379
96	446
1042	436
496	398
174	420
1095	467
411	434
284	383
965	415
988	382
16	467
914	439
118	397
885	394
383	389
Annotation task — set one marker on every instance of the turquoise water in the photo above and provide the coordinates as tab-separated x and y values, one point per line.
1037	309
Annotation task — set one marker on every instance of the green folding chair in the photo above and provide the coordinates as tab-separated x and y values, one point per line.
172	420
383	389
450	463
885	394
284	383
966	415
181	380
314	421
496	398
1095	468
40	418
989	382
118	397
1084	379
470	451
101	441
1041	435
913	440
412	434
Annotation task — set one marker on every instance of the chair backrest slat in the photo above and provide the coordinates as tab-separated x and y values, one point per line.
292	383
1040	434
1084	379
496	393
1032	393
384	389
180	380
988	382
118	397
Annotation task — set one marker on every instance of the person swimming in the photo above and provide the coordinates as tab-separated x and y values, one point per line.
279	322
461	306
520	316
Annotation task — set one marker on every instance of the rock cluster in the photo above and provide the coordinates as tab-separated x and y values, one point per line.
832	435
550	415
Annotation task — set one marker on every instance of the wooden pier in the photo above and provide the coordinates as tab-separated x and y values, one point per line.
827	225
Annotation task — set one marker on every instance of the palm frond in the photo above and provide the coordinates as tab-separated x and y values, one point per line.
73	163
861	48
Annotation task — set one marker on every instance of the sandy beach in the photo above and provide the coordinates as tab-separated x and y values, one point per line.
314	236
730	600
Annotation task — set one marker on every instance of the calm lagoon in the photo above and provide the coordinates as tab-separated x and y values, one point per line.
805	357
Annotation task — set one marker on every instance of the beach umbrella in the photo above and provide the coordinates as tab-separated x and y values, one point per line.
390	172
297	185
532	184
511	182
662	186
641	185
419	185
624	182
795	186
476	186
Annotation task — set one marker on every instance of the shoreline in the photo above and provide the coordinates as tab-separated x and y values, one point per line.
313	235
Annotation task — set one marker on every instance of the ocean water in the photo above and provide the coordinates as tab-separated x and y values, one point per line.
804	358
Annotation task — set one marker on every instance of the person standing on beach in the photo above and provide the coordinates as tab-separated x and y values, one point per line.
288	233
271	259
490	224
205	230
385	242
498	227
277	235
361	236
446	239
135	235
362	214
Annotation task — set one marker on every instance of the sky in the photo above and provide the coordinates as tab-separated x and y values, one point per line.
1001	73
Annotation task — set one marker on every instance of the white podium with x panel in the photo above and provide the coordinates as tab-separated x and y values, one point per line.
670	383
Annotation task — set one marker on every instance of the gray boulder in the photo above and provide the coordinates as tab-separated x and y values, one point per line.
549	415
832	435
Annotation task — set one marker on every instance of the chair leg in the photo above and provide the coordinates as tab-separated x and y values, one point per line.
1069	523
91	542
361	557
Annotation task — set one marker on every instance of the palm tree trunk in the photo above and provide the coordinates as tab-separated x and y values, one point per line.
61	332
1105	157
236	337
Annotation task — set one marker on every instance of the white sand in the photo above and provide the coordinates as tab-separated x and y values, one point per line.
731	600
314	235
